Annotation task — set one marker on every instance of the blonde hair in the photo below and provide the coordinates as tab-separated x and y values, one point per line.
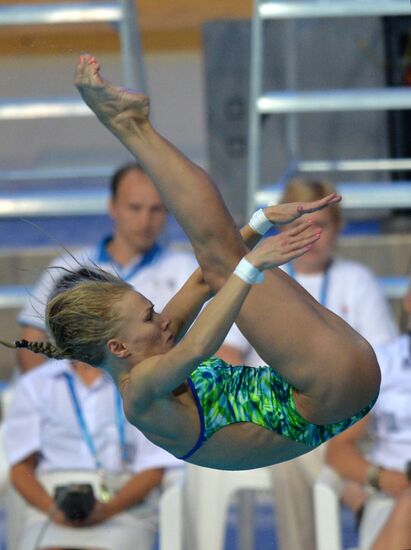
81	319
302	190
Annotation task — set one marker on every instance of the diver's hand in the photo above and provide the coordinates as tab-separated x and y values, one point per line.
286	246
282	214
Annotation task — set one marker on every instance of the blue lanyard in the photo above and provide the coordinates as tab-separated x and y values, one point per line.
121	427
128	272
324	285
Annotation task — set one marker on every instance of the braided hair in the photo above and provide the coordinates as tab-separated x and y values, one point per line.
45	348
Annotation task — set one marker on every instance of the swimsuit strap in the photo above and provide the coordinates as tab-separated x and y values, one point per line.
201	437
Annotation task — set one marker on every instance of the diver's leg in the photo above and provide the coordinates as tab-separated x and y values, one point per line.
331	366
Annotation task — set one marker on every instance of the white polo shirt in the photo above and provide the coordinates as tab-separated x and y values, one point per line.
353	293
158	275
391	416
42	418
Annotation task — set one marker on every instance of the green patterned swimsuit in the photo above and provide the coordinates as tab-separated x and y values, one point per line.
226	394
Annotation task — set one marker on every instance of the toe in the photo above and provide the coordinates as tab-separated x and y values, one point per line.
85	57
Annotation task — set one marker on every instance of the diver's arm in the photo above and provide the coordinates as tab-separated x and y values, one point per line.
158	376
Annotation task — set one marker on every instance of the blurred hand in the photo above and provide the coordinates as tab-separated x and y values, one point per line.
393	483
281	214
58	517
100	513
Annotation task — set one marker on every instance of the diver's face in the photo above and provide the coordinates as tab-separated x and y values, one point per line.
144	332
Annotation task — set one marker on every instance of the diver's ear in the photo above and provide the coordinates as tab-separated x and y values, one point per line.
117	348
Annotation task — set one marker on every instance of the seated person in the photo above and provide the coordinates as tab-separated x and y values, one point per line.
67	417
171	385
385	467
351	291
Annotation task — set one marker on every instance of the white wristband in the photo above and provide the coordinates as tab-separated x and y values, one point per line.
259	222
248	273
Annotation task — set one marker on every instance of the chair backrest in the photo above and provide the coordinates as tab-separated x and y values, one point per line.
200	500
207	497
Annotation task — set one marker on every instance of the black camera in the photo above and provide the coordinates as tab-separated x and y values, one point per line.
76	501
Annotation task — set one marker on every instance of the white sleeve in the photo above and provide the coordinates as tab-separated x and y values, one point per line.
149	456
373	316
21	425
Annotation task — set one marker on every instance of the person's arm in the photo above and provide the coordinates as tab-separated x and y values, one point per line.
136	489
26	359
184	307
160	375
22	444
344	456
24	480
132	493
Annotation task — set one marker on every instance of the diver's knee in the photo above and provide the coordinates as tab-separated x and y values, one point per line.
369	370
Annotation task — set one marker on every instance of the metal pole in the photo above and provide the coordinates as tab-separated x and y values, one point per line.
291	127
254	129
133	64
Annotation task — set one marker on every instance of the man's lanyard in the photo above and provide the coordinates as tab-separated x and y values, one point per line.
127	272
121	428
324	285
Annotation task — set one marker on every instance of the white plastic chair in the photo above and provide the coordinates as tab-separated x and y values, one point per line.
193	514
171	533
20	514
327	492
18	511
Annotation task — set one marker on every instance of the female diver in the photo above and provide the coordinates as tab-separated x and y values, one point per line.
321	376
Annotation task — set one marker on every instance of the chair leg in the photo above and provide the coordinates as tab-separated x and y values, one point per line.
246	504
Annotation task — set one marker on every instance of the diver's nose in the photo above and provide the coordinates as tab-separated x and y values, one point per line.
165	323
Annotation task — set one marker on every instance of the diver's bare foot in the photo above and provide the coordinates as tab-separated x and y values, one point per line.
113	105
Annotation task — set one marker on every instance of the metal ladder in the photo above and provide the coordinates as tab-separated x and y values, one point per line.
122	13
290	103
60	202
